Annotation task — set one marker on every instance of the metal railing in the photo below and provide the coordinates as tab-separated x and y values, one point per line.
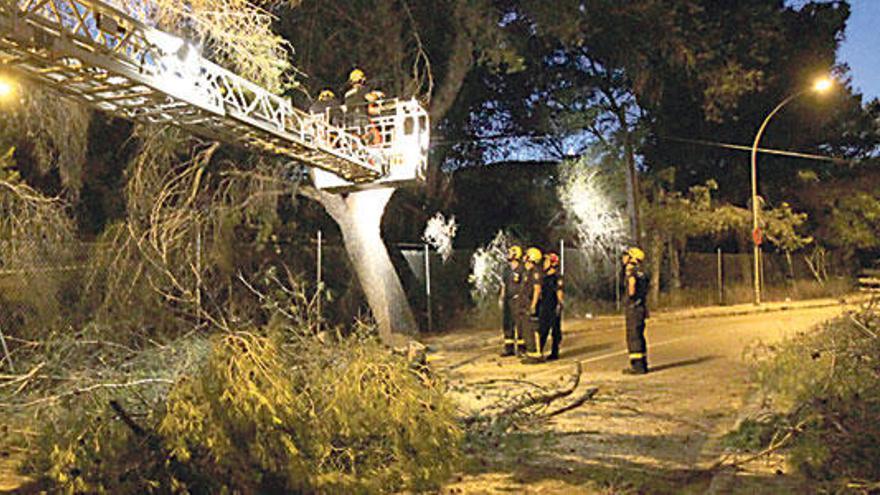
112	61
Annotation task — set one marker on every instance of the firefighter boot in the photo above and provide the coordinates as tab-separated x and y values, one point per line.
554	351
637	366
508	349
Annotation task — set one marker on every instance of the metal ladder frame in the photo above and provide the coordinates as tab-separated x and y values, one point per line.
106	58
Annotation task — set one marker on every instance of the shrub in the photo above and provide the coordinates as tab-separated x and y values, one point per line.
263	414
828	383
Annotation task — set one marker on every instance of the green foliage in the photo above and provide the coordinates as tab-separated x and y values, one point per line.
752	434
781	228
855	221
53	131
8	173
263	414
826	381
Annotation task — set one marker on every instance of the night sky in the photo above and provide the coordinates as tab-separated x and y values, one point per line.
861	50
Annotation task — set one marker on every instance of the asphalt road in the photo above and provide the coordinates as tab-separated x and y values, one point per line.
673	342
651	426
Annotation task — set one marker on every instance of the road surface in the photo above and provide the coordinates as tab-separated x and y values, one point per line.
642	434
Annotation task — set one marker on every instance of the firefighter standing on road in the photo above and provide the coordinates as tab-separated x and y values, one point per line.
636	289
530	295
510	287
550	307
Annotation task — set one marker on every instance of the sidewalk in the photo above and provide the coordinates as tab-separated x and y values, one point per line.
577	322
768	307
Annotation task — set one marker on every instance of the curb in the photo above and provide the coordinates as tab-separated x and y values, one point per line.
815	304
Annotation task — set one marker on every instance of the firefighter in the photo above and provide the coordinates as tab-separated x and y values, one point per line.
327	106
513	339
326	100
373	135
530	295
550	306
356	99
636	289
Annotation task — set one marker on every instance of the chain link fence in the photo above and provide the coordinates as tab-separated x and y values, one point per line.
594	285
41	280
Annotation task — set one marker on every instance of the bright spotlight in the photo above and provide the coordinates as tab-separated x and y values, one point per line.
5	87
822	85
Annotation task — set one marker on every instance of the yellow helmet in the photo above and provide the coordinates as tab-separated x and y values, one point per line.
514	253
326	94
533	254
636	254
356	76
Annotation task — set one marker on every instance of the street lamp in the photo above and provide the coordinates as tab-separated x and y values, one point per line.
5	88
819	86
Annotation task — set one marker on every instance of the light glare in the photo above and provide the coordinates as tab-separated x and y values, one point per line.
5	88
822	85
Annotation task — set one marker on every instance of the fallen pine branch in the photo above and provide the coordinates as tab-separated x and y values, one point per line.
13	379
544	399
83	390
586	396
506	380
774	446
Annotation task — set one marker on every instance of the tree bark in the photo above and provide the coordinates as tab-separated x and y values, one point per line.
632	186
459	64
674	264
359	216
656	257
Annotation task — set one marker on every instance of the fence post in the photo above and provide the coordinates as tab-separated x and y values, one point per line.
761	272
319	277
616	284
720	280
562	257
198	272
428	287
6	352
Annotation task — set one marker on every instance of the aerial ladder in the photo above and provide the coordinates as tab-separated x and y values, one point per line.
114	62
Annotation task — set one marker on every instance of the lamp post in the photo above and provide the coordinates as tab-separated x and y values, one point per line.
820	86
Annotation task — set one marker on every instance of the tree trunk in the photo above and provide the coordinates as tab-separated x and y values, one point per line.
656	258
632	186
359	216
674	264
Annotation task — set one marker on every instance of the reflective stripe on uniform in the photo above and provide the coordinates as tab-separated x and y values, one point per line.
534	354
509	341
521	341
636	355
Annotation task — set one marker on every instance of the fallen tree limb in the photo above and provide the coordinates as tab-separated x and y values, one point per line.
127	419
90	388
13	379
587	395
773	447
506	380
544	399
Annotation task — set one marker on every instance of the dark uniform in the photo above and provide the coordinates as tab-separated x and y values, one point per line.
636	312
356	105
513	338
329	108
549	317
321	106
529	320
